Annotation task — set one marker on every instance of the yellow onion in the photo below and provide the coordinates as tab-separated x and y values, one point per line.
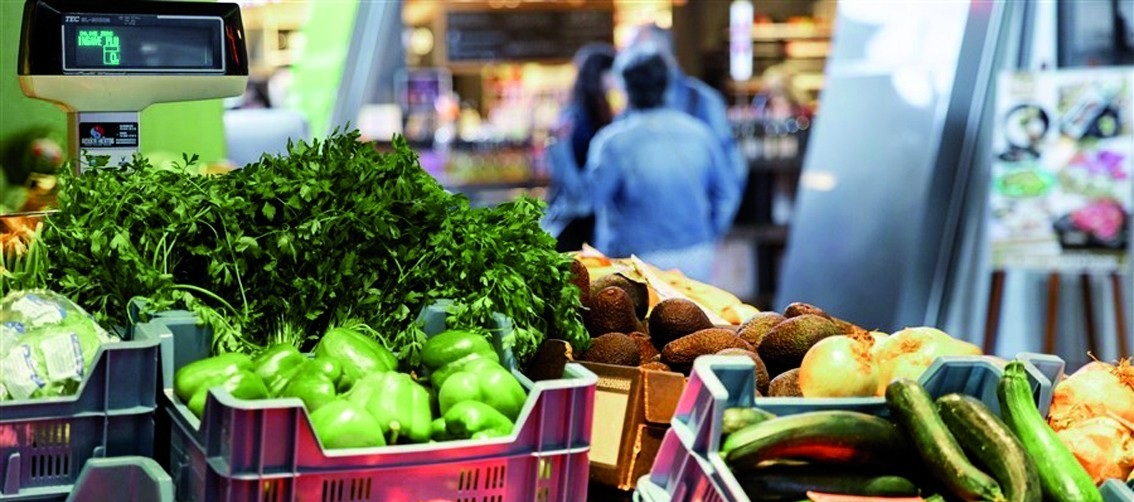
1095	390
1103	445
909	352
839	366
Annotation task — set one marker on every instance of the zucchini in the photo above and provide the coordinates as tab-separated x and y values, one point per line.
740	417
1061	476
912	407
984	437
825	436
782	481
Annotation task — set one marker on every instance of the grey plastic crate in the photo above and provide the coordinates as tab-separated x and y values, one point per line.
122	479
689	467
45	442
266	450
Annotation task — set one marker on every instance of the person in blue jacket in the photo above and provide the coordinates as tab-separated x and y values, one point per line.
690	95
658	179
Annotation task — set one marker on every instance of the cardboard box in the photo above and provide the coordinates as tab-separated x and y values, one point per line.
632	411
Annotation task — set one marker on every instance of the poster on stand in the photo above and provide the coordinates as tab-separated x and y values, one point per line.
1061	192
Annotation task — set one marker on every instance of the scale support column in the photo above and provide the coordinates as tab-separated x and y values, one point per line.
113	135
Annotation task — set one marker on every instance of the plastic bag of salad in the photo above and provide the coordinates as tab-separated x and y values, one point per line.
47	344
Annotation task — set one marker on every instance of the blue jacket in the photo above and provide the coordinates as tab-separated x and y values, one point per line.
692	96
658	180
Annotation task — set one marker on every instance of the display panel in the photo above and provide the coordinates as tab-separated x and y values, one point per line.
142	43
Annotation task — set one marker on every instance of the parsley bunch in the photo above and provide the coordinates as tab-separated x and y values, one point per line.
334	233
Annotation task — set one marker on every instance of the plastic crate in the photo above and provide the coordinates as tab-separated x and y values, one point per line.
44	443
122	479
266	450
688	466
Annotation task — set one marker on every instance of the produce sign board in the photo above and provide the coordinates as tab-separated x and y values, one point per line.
1061	193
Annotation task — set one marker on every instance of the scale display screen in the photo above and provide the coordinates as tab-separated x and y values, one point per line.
142	43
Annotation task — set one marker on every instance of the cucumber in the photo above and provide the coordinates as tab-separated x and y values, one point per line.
984	437
824	436
740	417
1061	476
912	407
783	481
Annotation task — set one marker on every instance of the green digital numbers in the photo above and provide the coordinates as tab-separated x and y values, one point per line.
108	40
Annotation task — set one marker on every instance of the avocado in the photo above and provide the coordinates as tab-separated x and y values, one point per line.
674	318
785	385
684	350
581	278
761	370
785	345
645	345
756	327
638	292
797	309
611	311
613	348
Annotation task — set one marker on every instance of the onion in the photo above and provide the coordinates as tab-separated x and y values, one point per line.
839	366
1094	391
915	349
1103	445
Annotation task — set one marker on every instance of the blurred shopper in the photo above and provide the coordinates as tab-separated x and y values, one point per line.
658	179
569	216
692	96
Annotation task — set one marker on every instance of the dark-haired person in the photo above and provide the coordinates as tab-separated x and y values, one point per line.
658	178
690	95
570	217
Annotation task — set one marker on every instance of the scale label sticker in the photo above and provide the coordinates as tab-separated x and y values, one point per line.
108	134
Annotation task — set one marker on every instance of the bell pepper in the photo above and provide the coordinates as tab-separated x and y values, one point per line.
474	419
486	382
314	388
450	351
323	366
192	376
358	354
400	405
343	424
438	432
452	345
243	384
275	359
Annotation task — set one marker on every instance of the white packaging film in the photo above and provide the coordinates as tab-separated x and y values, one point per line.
18	373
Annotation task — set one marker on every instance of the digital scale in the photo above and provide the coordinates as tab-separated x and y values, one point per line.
104	62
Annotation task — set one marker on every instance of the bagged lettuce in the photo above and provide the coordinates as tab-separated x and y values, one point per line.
47	344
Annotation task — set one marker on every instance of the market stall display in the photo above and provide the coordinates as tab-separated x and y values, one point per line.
252	449
78	395
952	433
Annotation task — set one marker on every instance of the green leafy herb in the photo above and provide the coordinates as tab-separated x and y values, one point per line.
334	233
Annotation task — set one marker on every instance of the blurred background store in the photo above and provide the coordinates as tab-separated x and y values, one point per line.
878	227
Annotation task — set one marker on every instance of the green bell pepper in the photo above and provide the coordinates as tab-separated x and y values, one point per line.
486	382
474	419
454	344
313	387
192	376
323	366
358	354
400	405
275	359
343	424
438	431
243	384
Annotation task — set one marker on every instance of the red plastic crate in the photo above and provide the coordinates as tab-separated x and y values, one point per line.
266	450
